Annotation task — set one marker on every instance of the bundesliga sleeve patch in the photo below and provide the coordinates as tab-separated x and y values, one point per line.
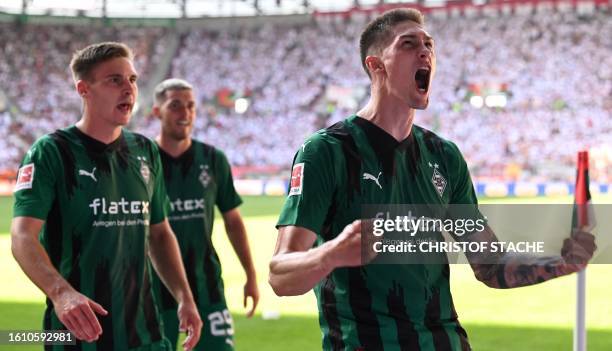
25	177
297	173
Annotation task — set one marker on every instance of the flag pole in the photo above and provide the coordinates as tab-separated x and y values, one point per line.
580	327
581	199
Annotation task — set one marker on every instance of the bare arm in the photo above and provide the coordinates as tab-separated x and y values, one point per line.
234	227
73	309
513	270
296	267
166	258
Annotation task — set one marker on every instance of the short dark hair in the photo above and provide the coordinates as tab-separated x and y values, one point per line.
168	85
377	33
85	60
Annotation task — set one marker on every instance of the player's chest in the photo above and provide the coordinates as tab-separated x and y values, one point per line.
424	181
192	189
113	184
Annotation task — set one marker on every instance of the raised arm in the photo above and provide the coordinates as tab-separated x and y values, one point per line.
73	309
297	267
516	270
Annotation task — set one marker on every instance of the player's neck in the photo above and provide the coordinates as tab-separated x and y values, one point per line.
393	117
171	146
99	131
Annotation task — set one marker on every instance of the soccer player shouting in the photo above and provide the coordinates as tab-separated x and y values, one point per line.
97	192
198	177
378	156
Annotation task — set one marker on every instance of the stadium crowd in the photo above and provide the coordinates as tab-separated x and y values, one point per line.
36	79
554	68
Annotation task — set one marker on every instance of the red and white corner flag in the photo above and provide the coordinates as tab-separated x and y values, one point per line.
582	219
583	212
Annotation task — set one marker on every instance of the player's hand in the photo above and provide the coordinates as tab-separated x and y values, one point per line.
347	246
76	312
251	290
578	250
189	321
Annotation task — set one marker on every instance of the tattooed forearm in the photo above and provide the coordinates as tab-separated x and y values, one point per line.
507	270
514	271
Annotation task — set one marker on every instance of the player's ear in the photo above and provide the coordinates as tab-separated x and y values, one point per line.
82	88
374	64
156	113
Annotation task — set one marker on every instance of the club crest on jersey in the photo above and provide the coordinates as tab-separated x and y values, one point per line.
25	177
204	177
297	173
145	171
438	179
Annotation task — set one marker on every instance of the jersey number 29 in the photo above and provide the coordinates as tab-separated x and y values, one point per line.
221	323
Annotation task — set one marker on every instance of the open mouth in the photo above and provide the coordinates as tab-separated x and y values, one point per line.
124	107
183	123
422	79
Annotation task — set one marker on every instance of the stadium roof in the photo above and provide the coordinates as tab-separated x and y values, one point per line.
192	8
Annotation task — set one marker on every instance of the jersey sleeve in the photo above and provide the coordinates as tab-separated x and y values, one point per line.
463	202
159	201
227	197
463	189
36	180
310	187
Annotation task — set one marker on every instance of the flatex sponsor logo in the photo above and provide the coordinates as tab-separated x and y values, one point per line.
104	206
180	205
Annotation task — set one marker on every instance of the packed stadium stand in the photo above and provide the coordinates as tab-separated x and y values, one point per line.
520	93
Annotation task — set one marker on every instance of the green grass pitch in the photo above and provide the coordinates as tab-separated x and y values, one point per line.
533	318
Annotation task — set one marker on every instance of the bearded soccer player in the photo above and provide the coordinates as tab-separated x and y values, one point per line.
97	192
378	156
198	177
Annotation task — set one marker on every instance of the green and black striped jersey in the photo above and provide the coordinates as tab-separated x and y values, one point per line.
378	306
196	181
98	201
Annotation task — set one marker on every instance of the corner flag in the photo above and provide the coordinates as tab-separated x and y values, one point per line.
582	217
582	195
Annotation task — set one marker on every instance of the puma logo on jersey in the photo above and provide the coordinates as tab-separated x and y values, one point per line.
371	177
304	145
89	174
